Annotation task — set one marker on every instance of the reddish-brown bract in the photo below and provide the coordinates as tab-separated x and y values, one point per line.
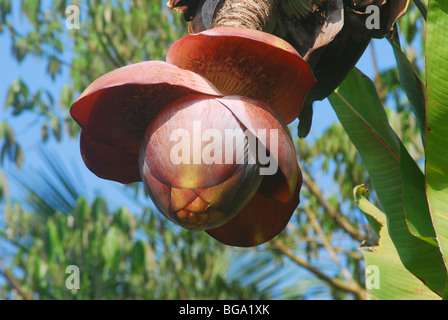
243	80
260	221
248	63
115	110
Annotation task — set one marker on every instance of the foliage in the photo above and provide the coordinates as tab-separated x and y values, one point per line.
413	203
119	254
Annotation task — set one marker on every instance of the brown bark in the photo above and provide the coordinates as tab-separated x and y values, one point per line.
251	14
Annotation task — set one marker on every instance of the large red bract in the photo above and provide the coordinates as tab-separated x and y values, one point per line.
127	117
115	110
248	63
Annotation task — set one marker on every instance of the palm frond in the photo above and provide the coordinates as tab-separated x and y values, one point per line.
52	187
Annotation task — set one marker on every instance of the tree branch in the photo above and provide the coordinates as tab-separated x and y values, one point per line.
4	235
315	224
13	281
107	52
121	60
329	208
333	282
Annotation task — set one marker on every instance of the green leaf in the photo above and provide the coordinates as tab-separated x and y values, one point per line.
66	97
125	221
54	66
99	210
5	9
11	96
437	115
4	189
415	202
56	126
81	211
99	18
138	257
138	24
384	260
31	8
411	84
20	49
52	241
18	156
359	109
44	132
111	249
142	258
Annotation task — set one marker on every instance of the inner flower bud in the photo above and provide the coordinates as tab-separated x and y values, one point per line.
197	163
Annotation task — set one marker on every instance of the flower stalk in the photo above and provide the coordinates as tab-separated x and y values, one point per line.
250	14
